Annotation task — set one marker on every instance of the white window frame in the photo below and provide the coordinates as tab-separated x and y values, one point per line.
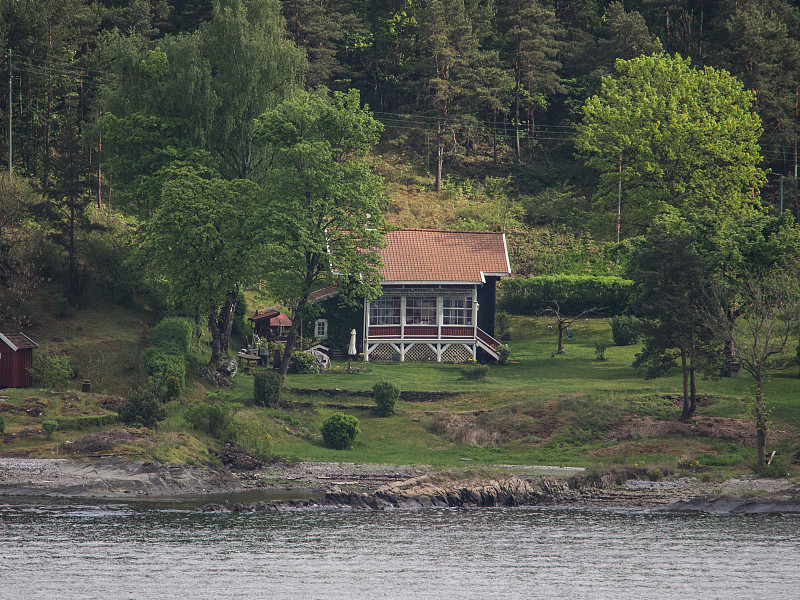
386	310
457	310
321	326
421	310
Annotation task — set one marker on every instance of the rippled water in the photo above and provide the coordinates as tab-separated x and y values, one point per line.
127	551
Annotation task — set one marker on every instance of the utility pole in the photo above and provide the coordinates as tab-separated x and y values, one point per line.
10	118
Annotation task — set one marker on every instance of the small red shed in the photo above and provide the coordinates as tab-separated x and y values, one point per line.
16	360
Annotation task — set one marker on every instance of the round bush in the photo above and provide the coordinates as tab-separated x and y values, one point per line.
159	363
142	408
267	388
386	396
301	362
339	431
625	330
474	372
2	425
50	425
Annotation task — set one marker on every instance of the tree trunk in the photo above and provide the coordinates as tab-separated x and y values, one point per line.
439	157
560	337
685	413
692	390
761	424
226	319
291	337
215	344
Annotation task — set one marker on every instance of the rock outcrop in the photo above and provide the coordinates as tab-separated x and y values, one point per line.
423	493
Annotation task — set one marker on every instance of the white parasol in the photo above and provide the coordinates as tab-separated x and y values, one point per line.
351	348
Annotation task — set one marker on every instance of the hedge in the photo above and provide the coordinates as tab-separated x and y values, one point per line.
174	335
574	293
80	423
158	362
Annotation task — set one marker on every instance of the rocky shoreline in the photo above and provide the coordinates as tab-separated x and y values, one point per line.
585	492
349	486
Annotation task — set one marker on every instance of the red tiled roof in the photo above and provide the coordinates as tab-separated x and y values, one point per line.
18	341
280	320
323	293
446	256
276	318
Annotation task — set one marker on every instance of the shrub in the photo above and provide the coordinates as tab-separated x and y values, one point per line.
84	422
159	363
267	388
600	349
474	372
502	325
50	426
574	293
339	431
142	408
505	352
776	468
625	330
213	419
2	425
52	370
386	396
301	362
60	305
174	335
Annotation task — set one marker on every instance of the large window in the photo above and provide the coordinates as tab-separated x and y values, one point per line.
457	311
385	311
421	311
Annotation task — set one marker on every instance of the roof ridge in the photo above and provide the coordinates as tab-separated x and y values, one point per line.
446	231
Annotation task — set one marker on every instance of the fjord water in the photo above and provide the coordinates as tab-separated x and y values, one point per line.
137	551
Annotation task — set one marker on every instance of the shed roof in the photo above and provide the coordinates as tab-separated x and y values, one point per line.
18	341
430	255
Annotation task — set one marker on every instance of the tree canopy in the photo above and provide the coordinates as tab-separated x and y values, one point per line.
321	211
666	137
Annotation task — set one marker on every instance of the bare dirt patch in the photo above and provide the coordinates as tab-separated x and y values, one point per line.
730	428
106	441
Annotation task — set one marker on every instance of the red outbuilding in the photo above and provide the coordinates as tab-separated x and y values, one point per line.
16	360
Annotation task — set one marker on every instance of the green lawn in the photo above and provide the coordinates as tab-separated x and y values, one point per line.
569	409
540	409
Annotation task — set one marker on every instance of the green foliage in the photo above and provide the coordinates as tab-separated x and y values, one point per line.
301	362
52	370
386	395
50	426
600	349
267	388
252	436
2	425
214	419
173	335
678	139
574	293
61	305
504	352
158	363
502	324
474	371
339	431
83	422
625	330
142	408
775	469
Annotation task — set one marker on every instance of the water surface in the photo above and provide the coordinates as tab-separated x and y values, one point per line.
73	550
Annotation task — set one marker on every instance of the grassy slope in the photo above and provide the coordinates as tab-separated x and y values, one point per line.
568	409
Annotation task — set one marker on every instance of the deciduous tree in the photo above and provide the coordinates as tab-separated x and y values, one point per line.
666	137
321	211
